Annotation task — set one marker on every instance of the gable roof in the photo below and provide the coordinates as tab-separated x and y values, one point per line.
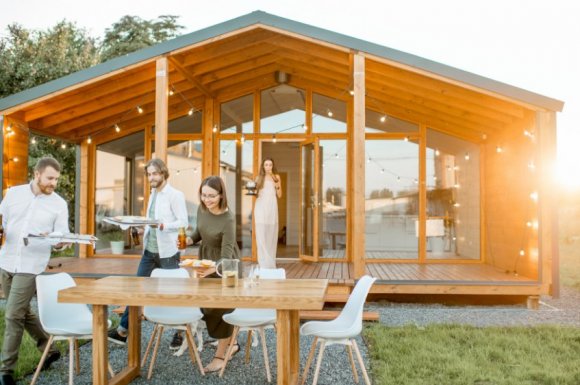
263	18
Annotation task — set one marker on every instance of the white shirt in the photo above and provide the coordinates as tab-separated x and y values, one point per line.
170	210
24	213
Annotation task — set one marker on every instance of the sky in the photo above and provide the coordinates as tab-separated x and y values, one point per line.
531	44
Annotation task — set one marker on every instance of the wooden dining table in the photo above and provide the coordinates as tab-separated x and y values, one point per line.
287	296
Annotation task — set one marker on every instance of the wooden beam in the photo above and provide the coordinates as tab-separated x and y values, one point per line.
208	137
83	195
358	162
161	108
422	193
180	68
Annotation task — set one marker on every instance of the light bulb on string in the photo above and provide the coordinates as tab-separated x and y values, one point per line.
117	128
89	140
63	146
33	140
467	156
190	112
498	149
139	109
406	138
274	140
214	129
383	118
330	114
437	152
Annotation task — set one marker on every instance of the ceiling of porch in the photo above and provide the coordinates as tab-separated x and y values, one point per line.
238	63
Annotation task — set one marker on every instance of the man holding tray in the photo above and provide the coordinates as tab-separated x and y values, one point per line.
167	206
32	208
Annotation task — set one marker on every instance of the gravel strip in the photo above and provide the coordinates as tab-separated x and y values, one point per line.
335	367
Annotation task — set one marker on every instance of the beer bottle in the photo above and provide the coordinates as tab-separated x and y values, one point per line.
135	236
182	238
1	232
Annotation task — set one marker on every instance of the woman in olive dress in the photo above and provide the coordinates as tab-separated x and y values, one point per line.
216	228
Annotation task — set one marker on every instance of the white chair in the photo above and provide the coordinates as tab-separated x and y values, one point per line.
180	318
62	321
342	330
251	320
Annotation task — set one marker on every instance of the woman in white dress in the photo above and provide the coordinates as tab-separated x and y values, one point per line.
266	214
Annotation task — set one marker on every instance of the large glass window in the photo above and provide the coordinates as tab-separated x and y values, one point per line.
236	169
391	199
119	189
237	116
334	162
282	110
453	196
328	114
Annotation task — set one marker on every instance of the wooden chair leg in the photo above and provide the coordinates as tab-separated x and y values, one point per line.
265	352
77	357
71	358
193	349
153	333
248	346
352	365
230	349
309	361
155	349
42	359
361	363
319	361
111	371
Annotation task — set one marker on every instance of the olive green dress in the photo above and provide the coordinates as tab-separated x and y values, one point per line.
217	234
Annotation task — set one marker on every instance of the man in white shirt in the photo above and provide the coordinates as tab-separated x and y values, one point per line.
167	206
32	208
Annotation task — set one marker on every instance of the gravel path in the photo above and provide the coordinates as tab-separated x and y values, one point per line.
335	368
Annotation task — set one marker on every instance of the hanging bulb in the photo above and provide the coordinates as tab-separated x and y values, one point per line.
369	159
190	112
89	140
171	91
139	109
534	196
214	129
305	127
274	140
63	146
351	92
531	165
467	156
529	224
437	153
383	118
498	149
406	138
242	139
329	113
15	159
522	252
117	128
33	141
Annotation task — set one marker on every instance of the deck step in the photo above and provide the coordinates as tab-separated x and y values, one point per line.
323	315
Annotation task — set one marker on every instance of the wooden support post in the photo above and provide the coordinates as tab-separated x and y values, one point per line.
84	195
534	302
358	166
208	137
161	108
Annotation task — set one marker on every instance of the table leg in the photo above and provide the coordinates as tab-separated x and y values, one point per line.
134	338
288	346
100	348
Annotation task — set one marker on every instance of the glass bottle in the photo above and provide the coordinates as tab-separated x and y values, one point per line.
182	239
135	236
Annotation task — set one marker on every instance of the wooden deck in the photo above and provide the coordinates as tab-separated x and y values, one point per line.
392	278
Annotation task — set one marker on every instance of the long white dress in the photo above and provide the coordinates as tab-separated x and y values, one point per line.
266	225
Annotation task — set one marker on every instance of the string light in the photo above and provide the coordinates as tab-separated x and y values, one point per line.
383	118
330	114
63	146
274	140
467	156
139	109
33	140
214	129
534	196
437	153
190	112
117	128
14	159
89	140
498	149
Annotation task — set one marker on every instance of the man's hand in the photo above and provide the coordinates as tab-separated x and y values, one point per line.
61	245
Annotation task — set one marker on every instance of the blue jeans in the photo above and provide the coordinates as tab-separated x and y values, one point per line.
149	261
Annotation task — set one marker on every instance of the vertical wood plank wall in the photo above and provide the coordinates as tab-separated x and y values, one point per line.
15	153
509	183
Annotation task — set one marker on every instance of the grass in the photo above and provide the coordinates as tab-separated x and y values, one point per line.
460	355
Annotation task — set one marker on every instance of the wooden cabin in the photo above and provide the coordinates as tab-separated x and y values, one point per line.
433	179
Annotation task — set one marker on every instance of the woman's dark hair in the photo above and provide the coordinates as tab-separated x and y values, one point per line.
216	183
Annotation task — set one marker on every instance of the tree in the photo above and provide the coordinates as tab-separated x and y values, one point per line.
29	58
132	33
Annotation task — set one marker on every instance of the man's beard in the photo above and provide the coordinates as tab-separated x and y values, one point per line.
45	188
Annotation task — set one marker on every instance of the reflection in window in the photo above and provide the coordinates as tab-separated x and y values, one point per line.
328	114
391	199
334	162
236	169
282	110
237	116
380	123
119	189
453	193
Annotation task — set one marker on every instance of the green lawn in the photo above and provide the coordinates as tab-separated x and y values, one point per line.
462	355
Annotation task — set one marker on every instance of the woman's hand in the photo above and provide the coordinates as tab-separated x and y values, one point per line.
188	242
202	273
